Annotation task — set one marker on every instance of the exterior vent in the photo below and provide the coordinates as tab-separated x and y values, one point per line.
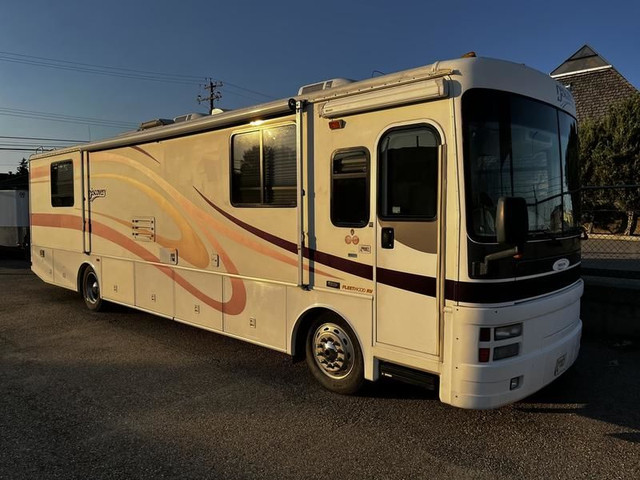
326	85
143	229
188	117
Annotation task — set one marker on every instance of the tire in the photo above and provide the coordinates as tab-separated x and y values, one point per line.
334	355
91	290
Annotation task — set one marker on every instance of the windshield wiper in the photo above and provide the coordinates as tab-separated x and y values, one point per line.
546	233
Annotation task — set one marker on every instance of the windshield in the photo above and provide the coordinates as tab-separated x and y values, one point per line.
518	147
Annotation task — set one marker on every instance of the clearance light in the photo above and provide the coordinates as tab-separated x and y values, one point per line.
337	124
510	331
485	334
506	351
484	354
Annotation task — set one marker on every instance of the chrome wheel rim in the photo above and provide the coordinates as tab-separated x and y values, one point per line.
91	288
333	350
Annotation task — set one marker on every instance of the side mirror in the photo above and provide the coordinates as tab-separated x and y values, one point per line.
512	221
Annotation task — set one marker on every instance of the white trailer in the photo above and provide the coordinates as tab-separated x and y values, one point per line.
418	225
14	218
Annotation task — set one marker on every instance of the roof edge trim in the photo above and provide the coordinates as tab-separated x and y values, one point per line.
586	70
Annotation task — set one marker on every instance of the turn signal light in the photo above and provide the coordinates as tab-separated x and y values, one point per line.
485	334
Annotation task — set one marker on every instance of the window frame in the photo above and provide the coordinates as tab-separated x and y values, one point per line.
382	176
261	204
367	176
51	184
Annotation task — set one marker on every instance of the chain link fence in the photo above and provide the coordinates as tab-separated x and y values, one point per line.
611	246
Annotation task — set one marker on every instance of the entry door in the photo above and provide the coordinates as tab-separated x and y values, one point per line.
407	236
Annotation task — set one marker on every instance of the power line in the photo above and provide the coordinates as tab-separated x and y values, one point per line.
106	67
96	69
45	139
35	145
16	112
18	149
115	71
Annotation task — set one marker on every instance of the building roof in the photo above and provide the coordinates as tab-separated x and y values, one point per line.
584	59
594	83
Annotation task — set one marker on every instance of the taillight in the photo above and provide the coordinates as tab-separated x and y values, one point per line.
484	354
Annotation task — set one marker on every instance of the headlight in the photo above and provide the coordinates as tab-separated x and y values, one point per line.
510	331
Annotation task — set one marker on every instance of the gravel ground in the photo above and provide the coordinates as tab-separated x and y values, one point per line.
123	394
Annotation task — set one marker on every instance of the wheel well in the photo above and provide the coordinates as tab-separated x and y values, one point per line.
302	327
81	271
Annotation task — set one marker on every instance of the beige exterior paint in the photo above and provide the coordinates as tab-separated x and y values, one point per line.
152	215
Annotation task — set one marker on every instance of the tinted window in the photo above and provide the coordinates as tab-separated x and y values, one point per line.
62	184
350	188
264	168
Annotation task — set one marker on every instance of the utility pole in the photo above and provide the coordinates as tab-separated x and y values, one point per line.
214	94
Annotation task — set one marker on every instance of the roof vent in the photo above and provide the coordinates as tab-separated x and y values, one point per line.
158	122
188	117
326	85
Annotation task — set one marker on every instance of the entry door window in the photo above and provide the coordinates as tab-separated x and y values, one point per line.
408	180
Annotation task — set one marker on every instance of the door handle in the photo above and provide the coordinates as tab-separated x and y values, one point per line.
388	237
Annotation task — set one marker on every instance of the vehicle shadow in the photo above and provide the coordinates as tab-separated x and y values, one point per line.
14	259
604	384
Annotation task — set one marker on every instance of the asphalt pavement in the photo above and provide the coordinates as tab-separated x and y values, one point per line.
123	394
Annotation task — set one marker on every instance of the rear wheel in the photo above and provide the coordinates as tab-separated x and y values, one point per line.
91	290
334	355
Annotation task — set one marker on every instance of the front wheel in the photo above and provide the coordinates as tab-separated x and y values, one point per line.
91	290
334	355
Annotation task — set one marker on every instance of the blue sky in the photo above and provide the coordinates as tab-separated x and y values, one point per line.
261	51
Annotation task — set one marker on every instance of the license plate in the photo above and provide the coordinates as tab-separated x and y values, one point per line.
560	364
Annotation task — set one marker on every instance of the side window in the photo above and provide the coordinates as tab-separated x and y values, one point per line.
408	174
264	168
350	188
62	184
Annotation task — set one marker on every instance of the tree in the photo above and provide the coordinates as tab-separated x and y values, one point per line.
23	167
610	155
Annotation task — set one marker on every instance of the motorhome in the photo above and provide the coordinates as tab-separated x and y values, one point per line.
420	225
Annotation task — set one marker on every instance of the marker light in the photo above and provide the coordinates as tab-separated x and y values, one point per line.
336	124
510	331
